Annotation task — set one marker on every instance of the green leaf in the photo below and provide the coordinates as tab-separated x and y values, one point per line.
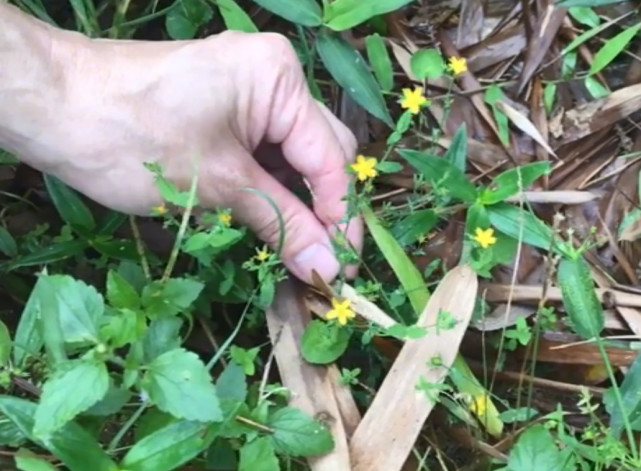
170	447
75	447
348	68
579	297
457	152
113	401
535	450
69	205
380	60
27	461
28	338
178	383
341	15
595	88
297	434
302	12
323	342
586	3
8	244
235	17
232	384
492	95
258	455
388	167
50	325
630	397
119	249
417	224
5	344
612	48
442	173
73	389
111	222
163	334
120	293
549	93
509	219
10	434
585	15
408	275
185	17
170	298
215	241
122	326
511	181
50	254
427	64
80	308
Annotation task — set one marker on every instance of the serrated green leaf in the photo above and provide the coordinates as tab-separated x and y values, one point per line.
163	334
579	297
232	383
70	391
442	173
235	17
170	298
170	447
341	15
513	180
302	12
258	455
380	60
612	48
297	434
535	450
427	64
348	68
178	383
120	293
74	446
69	205
28	338
323	342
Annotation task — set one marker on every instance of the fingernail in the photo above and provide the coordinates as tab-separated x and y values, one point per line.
316	257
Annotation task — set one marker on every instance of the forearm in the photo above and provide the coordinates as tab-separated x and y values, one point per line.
32	81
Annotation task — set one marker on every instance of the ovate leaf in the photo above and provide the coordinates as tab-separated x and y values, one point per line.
380	61
258	455
323	342
512	181
170	447
348	68
297	434
427	63
171	297
73	389
185	17
302	12
178	383
535	450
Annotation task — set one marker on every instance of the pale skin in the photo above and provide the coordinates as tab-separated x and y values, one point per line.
92	111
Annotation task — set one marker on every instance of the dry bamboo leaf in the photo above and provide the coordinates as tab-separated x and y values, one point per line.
554	197
524	125
365	308
311	386
399	407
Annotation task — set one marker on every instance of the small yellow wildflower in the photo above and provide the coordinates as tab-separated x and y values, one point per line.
262	254
341	311
159	210
413	100
485	237
364	167
479	405
458	65
224	219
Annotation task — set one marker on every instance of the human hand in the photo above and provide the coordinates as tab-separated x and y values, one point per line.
220	101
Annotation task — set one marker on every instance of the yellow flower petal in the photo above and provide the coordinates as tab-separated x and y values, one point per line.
340	311
224	219
364	167
458	65
413	99
485	237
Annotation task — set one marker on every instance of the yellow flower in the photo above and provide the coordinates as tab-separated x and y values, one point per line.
458	65
224	219
413	100
159	210
341	311
262	254
365	168
485	237
479	405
